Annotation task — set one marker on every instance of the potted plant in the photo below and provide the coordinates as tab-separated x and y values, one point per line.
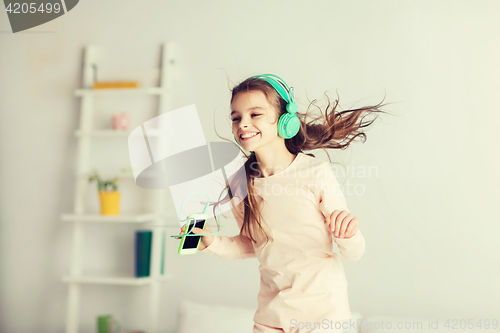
109	196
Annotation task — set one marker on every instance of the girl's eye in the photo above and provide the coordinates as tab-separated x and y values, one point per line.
253	114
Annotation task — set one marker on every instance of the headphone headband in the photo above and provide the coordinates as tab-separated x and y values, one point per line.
280	85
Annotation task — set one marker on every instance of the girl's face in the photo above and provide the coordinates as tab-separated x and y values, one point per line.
254	120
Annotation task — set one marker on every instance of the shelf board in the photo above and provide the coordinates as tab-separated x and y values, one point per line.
127	281
121	175
112	133
130	218
120	91
124	175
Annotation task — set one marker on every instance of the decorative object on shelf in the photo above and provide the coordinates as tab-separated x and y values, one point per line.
121	120
109	199
143	244
115	84
111	84
107	324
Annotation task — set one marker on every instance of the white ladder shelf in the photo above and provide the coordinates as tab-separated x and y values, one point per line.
79	217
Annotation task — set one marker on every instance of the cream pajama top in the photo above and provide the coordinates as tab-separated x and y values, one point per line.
301	278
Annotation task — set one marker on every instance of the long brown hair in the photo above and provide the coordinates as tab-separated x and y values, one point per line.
336	131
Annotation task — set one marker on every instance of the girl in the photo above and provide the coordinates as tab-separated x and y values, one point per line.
291	207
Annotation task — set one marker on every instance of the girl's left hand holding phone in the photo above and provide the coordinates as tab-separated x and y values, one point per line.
342	223
206	240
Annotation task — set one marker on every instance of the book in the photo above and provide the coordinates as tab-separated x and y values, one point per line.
143	240
143	246
162	253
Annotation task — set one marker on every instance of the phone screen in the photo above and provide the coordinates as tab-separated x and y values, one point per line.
191	242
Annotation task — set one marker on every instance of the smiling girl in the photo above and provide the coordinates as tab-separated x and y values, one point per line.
292	207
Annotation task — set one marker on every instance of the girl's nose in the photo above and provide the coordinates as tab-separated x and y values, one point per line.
244	123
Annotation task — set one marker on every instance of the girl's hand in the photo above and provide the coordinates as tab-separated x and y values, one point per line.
205	240
342	223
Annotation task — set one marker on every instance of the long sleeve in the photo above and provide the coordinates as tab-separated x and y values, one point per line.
353	248
235	247
331	198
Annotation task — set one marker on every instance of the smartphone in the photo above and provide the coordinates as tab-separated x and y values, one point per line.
189	244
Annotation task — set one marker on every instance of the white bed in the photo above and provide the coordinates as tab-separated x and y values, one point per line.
215	318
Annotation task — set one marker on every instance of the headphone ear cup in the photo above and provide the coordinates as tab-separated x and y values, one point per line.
288	125
281	126
292	107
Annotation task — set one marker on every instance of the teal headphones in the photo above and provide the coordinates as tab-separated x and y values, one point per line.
289	123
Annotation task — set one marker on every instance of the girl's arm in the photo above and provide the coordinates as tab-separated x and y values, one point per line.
236	247
331	198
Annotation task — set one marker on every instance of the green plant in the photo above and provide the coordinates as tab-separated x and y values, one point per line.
102	185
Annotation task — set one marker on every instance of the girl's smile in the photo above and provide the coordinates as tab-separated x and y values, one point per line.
245	136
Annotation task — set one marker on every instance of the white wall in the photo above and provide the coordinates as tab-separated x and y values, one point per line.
427	214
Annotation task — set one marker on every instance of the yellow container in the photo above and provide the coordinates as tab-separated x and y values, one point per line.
110	202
